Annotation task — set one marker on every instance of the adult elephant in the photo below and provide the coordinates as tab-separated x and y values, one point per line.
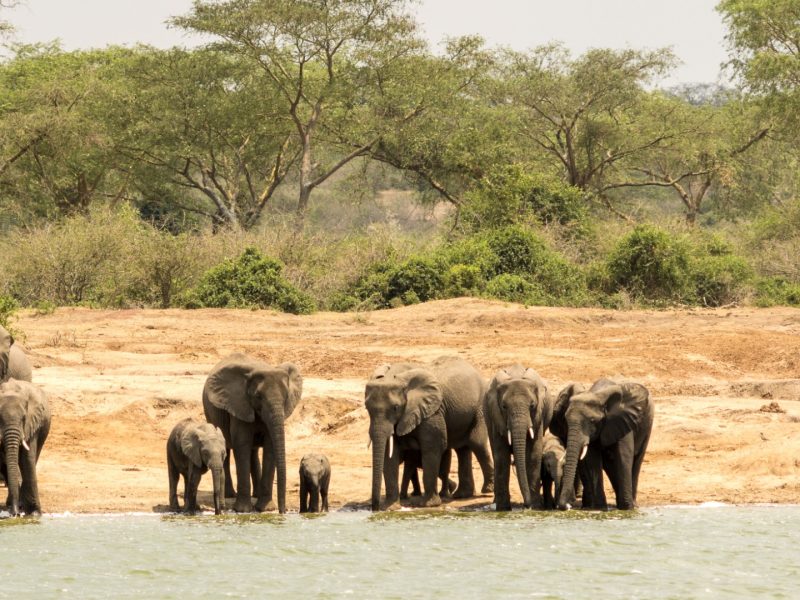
13	362
430	408
24	425
249	401
606	428
518	410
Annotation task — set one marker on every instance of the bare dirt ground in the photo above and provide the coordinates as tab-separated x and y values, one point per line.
726	385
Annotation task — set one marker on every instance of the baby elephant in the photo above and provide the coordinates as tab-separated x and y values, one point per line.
192	449
553	459
315	476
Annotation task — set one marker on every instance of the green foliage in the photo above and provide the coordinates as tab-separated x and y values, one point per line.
518	193
463	280
718	276
651	265
515	288
774	291
250	281
8	307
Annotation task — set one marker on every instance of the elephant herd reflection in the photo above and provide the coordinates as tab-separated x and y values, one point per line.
560	445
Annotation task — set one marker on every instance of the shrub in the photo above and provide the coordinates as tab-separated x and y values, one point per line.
250	281
518	193
650	265
515	288
422	276
463	280
8	306
718	276
774	291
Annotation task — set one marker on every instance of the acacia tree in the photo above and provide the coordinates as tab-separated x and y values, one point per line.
589	117
322	56
205	122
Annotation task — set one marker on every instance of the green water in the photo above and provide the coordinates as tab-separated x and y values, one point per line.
671	552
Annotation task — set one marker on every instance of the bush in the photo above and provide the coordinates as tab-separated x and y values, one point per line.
651	265
519	194
718	276
249	281
777	291
514	288
463	280
422	276
8	306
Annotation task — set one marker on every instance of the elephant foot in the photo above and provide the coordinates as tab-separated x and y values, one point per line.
503	506
242	505
488	488
265	505
434	500
463	492
393	506
174	507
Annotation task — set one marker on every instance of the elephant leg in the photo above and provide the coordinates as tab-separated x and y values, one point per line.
591	472
391	471
638	459
479	444
466	482
29	494
408	469
192	483
448	485
174	475
620	472
255	470
502	473
547	491
229	491
314	503
323	490
242	440
265	501
303	494
431	459
533	469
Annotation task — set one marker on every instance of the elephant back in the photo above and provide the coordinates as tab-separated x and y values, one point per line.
463	388
19	367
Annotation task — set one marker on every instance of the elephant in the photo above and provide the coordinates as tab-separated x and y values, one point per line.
412	462
249	401
429	408
518	410
553	458
315	478
24	425
194	448
606	428
13	362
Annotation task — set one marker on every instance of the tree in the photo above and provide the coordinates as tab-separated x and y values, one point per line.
323	57
206	123
590	116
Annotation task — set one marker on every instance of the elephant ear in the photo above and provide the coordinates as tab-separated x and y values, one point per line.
37	411
295	388
381	371
6	340
625	406
423	399
558	420
227	387
542	396
190	445
491	402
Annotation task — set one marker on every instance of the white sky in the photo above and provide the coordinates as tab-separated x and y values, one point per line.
691	27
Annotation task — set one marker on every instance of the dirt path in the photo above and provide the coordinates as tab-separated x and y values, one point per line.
119	380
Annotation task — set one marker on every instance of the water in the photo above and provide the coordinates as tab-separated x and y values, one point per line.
671	552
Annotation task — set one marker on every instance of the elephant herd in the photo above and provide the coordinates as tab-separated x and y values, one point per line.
559	445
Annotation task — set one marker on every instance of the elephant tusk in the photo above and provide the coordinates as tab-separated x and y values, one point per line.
530	431
25	445
584	451
391	445
509	437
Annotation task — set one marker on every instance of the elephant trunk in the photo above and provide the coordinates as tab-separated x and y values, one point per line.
218	478
576	442
12	439
379	439
276	431
519	437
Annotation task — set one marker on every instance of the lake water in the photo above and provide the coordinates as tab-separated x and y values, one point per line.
670	552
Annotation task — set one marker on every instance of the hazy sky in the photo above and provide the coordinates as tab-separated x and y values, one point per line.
691	27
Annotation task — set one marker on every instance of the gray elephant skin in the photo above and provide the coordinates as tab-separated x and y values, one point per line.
13	362
412	462
315	479
428	408
249	401
605	429
194	448
518	411
554	455
24	425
